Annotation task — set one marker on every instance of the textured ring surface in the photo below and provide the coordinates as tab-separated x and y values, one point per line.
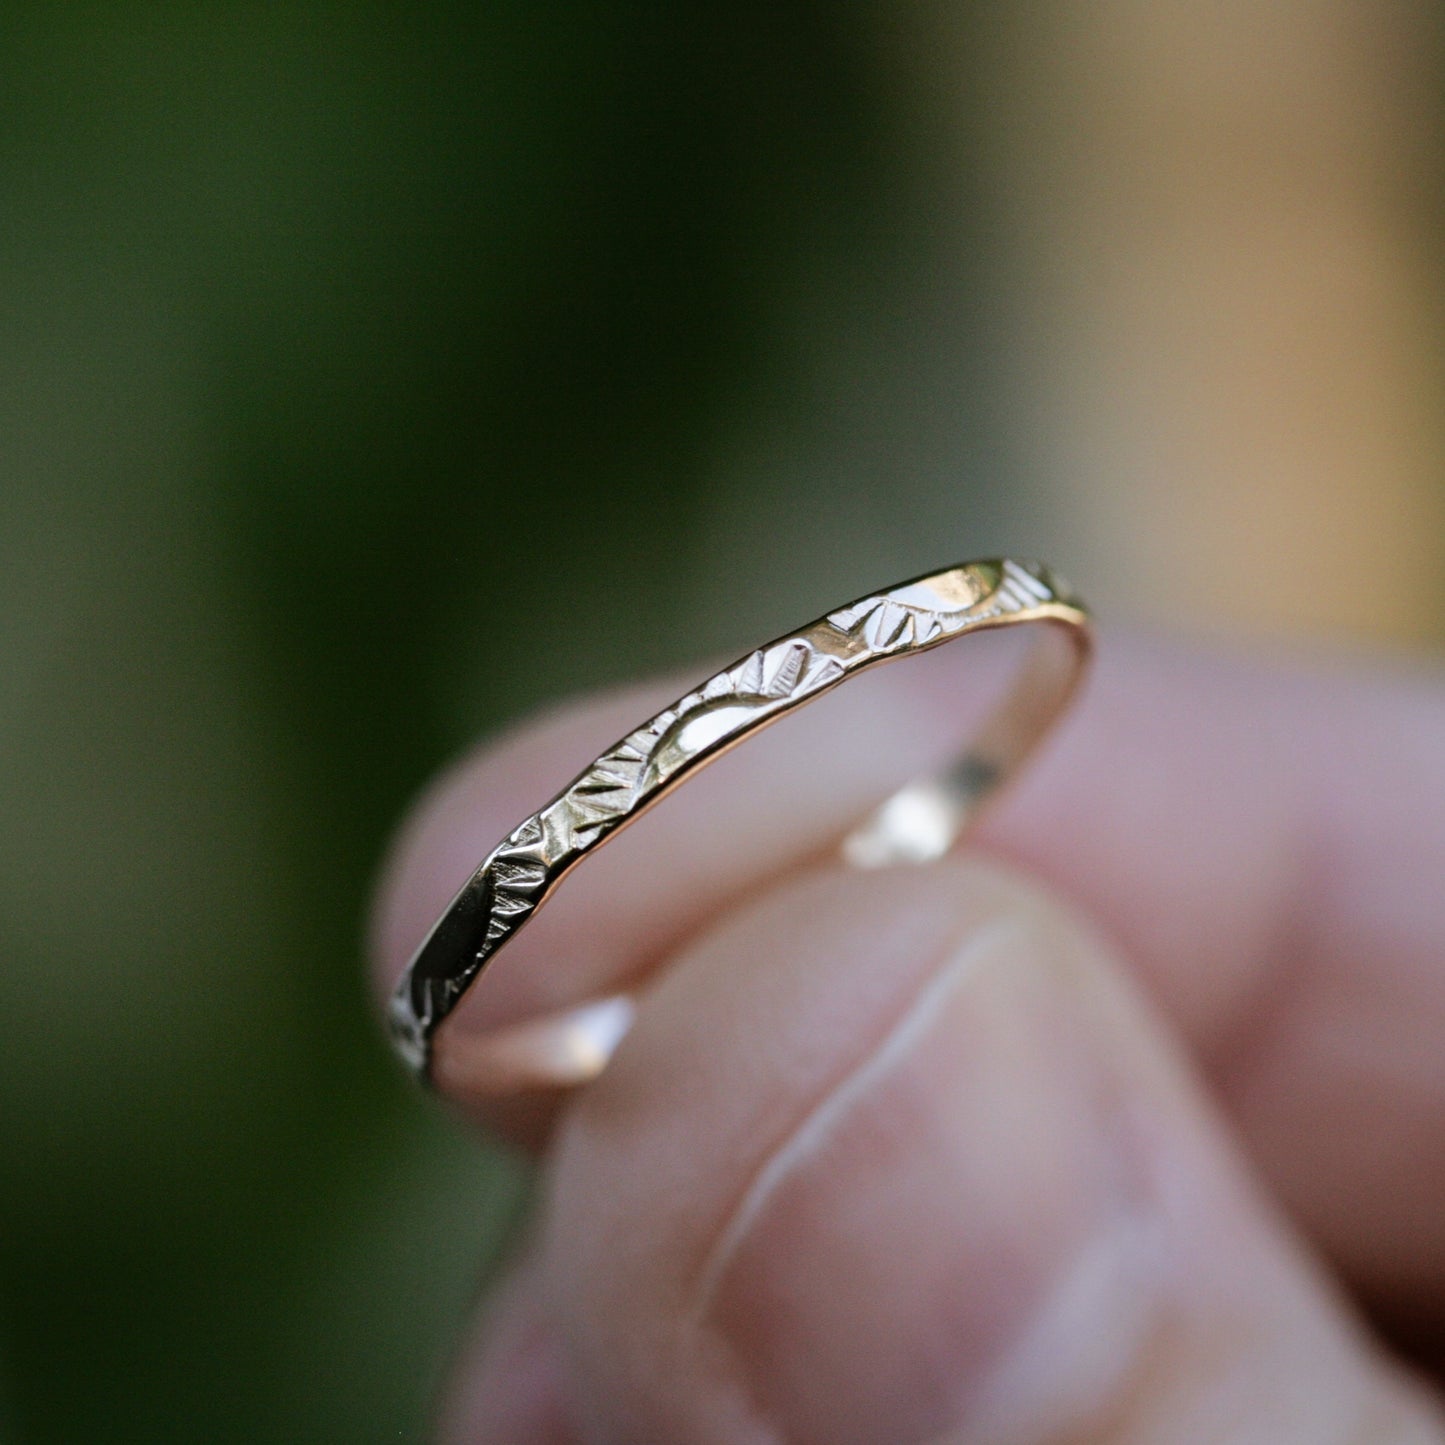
918	823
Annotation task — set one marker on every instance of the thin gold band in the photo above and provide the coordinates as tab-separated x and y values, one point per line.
918	823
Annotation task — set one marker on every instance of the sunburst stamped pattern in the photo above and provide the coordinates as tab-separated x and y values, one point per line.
521	871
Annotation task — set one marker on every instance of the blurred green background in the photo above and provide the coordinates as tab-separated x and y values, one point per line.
368	374
363	369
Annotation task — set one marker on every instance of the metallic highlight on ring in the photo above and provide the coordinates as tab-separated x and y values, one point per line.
918	823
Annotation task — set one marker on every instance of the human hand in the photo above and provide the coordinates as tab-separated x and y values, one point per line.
1118	1127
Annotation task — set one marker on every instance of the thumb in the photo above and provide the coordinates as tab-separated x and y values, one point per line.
900	1157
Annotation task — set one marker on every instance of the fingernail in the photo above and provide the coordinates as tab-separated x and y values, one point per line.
970	1184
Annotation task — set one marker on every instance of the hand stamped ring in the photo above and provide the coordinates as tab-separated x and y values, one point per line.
918	823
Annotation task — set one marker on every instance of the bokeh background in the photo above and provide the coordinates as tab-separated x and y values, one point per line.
371	373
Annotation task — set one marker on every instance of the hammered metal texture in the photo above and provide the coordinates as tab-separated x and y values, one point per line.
524	867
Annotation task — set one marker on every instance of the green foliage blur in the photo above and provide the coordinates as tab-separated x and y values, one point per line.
363	374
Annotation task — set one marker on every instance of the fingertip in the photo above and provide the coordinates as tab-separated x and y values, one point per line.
865	1136
904	1156
748	818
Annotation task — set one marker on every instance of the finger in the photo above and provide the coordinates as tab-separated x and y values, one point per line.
1265	843
510	1385
903	1158
1286	831
734	826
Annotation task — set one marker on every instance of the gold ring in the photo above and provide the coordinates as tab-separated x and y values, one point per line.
918	823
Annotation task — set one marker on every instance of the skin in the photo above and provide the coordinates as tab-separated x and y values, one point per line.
1124	1124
